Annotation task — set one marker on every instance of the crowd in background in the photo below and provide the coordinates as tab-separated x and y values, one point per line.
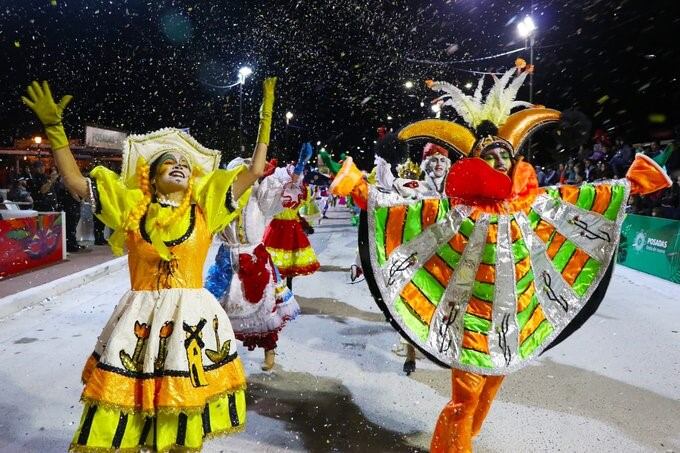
41	189
607	161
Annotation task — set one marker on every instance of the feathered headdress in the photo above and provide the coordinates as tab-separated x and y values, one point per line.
489	119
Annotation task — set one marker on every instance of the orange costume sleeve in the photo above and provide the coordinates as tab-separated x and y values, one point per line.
646	176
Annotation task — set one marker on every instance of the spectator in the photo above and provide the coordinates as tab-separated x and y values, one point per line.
654	149
551	177
599	153
42	188
575	174
19	194
99	227
622	158
71	208
670	201
540	176
562	173
601	172
589	170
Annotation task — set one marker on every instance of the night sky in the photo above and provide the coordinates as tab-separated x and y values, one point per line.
139	65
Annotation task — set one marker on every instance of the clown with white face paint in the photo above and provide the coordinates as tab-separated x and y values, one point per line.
165	373
434	167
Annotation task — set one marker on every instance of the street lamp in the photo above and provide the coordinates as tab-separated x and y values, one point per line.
468	85
243	74
289	116
37	139
408	85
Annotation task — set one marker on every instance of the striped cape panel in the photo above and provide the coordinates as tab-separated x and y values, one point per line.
555	254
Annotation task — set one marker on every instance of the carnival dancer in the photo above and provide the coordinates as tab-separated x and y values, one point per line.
164	374
284	238
310	209
484	280
257	300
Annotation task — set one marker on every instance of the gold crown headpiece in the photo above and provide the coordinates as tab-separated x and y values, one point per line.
409	170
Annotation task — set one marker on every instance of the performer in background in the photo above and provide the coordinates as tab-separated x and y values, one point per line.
257	300
285	238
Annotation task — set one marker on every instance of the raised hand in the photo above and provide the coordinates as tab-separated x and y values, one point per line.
49	113
306	152
40	100
266	110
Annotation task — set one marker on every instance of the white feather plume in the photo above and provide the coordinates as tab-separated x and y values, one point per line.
497	105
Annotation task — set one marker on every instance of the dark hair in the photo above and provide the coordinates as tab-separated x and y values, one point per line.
153	167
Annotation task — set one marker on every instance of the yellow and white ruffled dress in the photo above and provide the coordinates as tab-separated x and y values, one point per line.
164	373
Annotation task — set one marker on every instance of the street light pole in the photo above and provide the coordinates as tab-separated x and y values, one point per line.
240	118
526	29
289	116
243	74
531	64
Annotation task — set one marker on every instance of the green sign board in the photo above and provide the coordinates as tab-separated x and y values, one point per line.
651	245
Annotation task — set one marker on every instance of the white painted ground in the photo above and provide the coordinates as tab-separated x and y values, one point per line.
613	386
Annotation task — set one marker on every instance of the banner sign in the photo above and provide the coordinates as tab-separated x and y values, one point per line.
29	242
651	245
97	137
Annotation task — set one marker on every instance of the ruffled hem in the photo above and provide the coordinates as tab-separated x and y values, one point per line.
75	448
106	428
251	326
294	271
256	326
289	311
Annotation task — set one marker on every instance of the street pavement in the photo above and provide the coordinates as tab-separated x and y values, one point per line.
337	385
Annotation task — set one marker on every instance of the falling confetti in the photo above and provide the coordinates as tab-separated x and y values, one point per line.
342	64
657	118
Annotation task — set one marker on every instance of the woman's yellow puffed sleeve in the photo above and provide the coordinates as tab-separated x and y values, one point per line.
213	195
111	200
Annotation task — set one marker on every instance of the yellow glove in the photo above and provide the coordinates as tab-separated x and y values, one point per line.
266	110
40	100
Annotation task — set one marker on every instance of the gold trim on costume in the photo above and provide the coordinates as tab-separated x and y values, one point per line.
521	124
